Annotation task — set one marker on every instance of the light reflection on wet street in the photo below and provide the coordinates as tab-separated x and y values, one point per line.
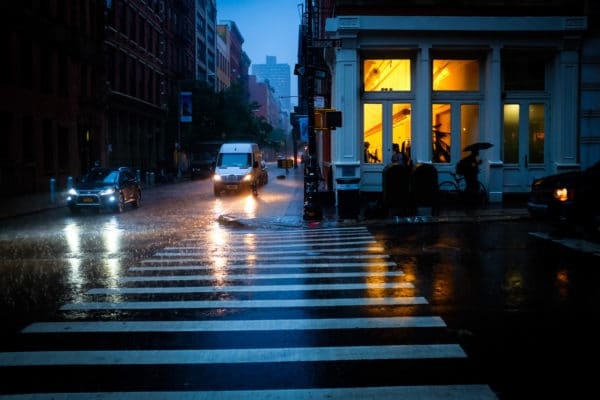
326	307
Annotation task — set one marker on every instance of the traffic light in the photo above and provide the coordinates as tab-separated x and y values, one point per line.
327	118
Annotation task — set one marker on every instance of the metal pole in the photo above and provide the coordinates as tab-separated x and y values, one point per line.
312	208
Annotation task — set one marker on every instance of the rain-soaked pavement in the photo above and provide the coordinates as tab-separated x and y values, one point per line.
171	301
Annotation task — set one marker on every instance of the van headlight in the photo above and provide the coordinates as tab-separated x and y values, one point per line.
217	178
247	178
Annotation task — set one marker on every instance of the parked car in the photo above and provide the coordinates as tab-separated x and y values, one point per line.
105	189
568	199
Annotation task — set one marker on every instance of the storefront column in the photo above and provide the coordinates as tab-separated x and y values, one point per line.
421	140
346	141
565	103
492	170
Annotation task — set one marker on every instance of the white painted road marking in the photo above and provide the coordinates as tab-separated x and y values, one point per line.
280	303
250	289
230	356
446	392
236	325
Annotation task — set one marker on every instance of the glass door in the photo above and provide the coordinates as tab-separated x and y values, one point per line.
524	137
384	124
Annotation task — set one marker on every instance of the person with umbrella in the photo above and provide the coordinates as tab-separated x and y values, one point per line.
469	168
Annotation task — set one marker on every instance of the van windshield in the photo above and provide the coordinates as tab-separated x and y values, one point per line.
241	160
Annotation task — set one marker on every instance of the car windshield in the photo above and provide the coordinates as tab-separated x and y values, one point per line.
241	160
100	176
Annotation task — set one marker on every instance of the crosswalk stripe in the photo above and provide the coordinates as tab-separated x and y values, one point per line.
381	264
231	356
281	244
280	303
236	325
281	257
446	392
250	289
244	251
223	275
265	240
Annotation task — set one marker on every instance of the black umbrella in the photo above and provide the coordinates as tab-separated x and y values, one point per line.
475	147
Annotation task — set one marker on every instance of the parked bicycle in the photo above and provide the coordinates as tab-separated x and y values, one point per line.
454	191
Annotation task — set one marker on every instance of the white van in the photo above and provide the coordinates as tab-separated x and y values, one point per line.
238	167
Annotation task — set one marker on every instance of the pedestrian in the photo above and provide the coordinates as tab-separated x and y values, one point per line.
368	156
469	168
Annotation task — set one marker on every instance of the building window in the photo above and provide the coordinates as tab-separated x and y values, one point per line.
48	146
537	116
401	127
523	71
63	148
469	126
372	132
455	75
386	75
511	133
441	133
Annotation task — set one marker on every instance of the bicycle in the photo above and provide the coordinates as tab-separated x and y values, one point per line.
455	191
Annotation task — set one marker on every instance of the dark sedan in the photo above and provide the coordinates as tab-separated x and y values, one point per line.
105	189
568	199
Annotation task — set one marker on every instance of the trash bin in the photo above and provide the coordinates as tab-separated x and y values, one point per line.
348	197
395	185
424	187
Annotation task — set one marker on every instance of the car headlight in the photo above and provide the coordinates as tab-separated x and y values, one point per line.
247	178
563	194
217	177
107	192
73	192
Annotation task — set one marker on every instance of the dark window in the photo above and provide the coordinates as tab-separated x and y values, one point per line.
84	81
5	145
524	71
48	145
63	148
63	75
27	137
122	87
5	66
26	63
46	70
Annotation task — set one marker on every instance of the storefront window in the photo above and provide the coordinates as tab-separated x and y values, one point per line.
456	75
469	126
401	123
511	133
441	133
386	75
536	133
372	132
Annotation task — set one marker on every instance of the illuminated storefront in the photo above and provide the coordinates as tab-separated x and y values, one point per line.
434	85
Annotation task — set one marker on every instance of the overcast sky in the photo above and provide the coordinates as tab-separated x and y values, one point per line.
269	28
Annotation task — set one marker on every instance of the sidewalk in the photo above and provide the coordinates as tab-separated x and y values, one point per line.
293	213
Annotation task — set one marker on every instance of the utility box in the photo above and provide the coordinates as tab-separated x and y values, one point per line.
348	198
396	189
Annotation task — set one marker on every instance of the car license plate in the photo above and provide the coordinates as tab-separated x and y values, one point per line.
88	199
232	187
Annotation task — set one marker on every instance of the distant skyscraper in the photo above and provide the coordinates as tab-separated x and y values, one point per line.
278	76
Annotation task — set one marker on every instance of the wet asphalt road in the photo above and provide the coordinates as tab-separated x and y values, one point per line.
165	299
